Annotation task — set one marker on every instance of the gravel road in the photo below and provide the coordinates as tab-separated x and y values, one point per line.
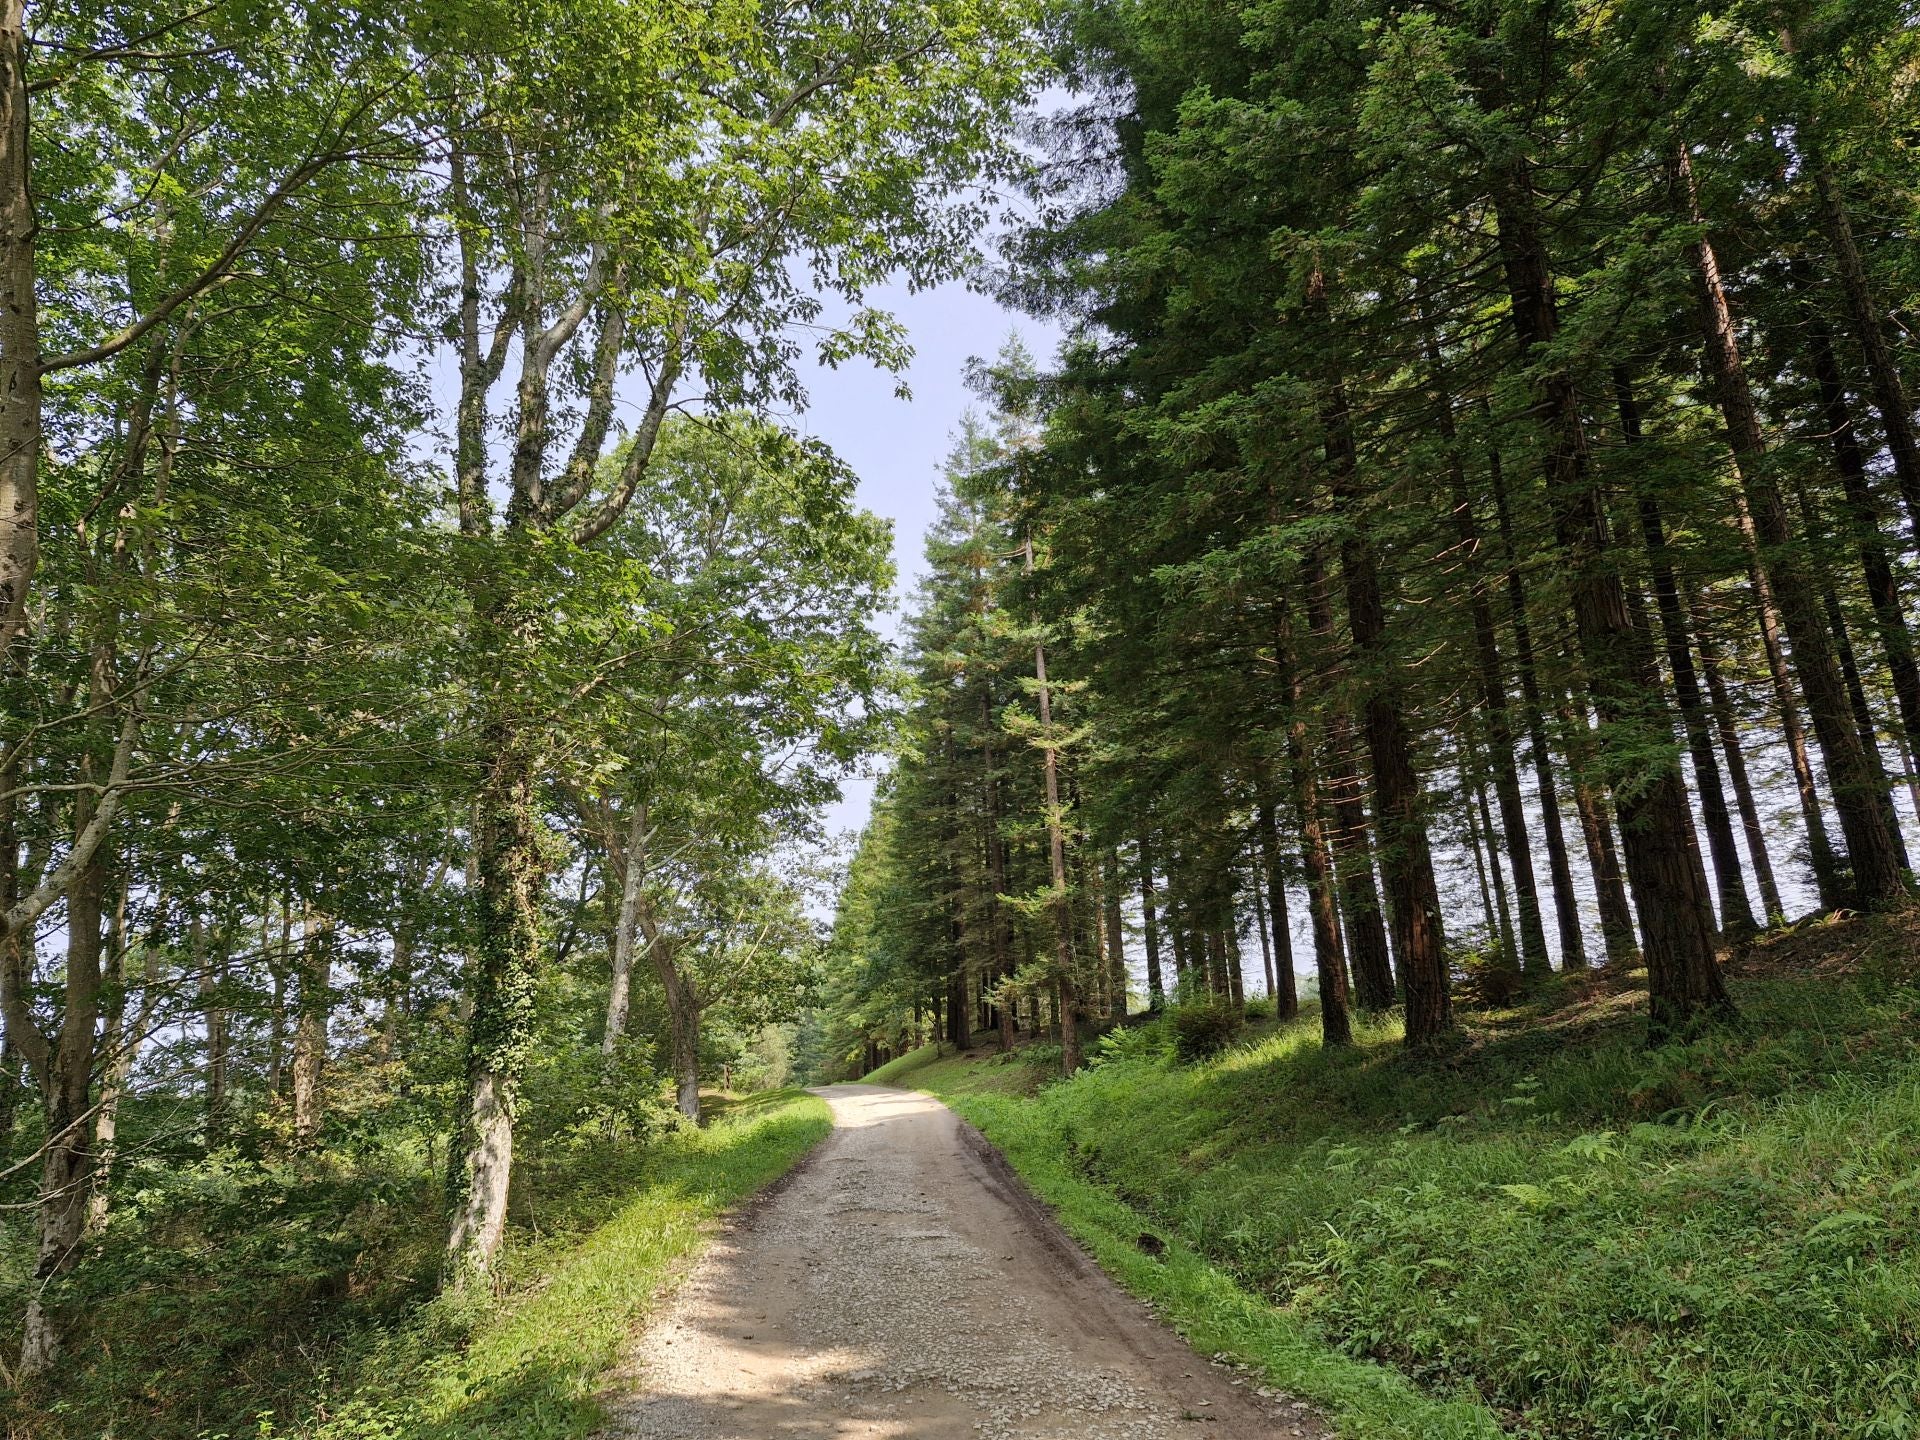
901	1285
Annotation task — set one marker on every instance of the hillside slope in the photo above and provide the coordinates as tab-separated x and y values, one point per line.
1585	1237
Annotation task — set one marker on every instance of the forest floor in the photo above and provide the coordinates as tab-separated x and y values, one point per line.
1550	1231
903	1284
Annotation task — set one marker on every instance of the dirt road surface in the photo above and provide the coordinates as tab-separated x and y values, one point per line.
902	1285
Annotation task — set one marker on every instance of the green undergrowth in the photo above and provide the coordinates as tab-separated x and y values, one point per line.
594	1239
1585	1237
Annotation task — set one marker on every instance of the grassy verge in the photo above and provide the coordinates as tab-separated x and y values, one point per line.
1589	1238
530	1367
282	1310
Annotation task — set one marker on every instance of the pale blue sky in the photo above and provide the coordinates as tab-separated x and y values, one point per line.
896	446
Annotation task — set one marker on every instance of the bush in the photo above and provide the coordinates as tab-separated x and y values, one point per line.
1202	1028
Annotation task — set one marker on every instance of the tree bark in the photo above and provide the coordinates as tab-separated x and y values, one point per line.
1514	830
502	971
1116	936
1477	791
1878	875
1596	831
1727	727
310	1027
1067	990
66	1092
1367	951
1736	910
1150	928
20	384
1329	963
1286	995
633	868
1566	903
1662	862
1863	514
1889	393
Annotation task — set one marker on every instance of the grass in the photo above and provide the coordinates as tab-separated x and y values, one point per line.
585	1261
1551	1227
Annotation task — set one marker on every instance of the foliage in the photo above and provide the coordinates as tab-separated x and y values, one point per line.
1202	1028
230	1290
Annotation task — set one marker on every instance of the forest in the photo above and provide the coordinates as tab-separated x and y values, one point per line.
1397	778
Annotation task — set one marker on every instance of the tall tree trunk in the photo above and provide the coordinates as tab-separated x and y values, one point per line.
1366	947
1266	943
633	871
1477	789
1116	936
1878	876
1498	939
1150	928
20	386
310	1027
123	1032
1566	901
997	881
1068	990
1736	911
66	1093
1863	514
683	1025
1662	862
1413	895
1286	995
1726	725
208	969
279	955
1514	829
1596	829
1889	393
1330	966
502	971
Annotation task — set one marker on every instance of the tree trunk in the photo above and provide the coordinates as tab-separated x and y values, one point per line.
1596	831
279	962
1266	942
1515	831
1726	725
1329	963
997	879
1889	393
1150	928
1878	876
683	1023
1286	995
502	971
20	397
1876	568
1662	861
214	1019
1116	936
310	1028
122	1034
1502	915
66	1091
1736	911
626	929
1366	934
1067	992
1566	903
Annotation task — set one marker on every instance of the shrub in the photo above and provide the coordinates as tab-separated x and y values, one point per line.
1202	1028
